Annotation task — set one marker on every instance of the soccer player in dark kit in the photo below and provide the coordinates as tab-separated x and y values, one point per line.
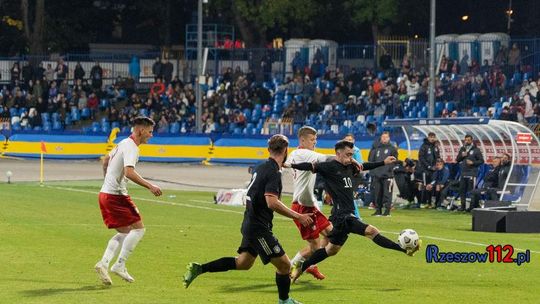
338	175
263	198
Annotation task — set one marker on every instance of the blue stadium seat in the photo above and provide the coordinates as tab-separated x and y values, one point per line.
45	116
106	127
57	125
67	121
46	126
55	116
237	130
103	104
174	128
75	115
95	127
115	124
22	110
85	113
13	112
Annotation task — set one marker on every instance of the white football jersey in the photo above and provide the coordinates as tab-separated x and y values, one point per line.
126	153
304	181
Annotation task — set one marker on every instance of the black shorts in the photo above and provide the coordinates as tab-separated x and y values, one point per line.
343	226
266	245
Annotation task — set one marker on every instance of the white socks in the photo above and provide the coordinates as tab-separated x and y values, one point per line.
112	248
297	258
131	241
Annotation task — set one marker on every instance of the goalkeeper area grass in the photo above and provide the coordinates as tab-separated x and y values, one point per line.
52	236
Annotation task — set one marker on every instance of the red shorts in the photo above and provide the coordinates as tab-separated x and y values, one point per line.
118	210
320	222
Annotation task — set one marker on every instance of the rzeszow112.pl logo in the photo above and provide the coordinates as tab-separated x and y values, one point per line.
493	254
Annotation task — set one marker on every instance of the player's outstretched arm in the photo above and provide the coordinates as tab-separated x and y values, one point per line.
275	204
373	165
303	166
139	180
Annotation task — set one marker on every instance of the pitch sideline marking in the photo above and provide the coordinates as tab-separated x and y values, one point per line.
278	217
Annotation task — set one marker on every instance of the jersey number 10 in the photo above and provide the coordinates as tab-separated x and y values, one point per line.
348	182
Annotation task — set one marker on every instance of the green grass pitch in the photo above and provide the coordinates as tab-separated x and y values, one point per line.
51	237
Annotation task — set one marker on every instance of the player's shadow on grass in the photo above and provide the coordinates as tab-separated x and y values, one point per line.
53	291
271	288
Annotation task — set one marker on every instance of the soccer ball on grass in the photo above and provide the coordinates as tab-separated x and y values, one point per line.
408	239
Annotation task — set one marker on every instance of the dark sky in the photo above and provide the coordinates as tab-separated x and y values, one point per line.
488	16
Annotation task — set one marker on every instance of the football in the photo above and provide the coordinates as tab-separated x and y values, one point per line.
408	239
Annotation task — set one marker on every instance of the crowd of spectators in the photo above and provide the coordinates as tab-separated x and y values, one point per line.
43	98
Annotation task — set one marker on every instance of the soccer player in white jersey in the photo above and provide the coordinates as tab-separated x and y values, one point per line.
304	200
118	210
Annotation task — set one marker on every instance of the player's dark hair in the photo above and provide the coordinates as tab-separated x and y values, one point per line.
306	130
431	134
440	160
143	121
278	143
468	136
342	144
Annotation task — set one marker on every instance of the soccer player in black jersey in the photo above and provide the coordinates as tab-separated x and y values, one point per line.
338	175
263	198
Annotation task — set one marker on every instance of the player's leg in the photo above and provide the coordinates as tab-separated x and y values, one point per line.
113	247
120	213
135	233
283	280
243	261
374	234
318	256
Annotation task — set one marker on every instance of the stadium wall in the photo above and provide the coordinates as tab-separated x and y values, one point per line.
185	149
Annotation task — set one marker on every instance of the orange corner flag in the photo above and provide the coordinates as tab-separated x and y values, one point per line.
43	147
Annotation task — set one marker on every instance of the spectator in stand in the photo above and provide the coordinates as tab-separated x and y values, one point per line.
443	67
266	65
49	73
15	74
385	62
39	73
163	125
135	68
61	71
483	99
79	72
158	87
297	64
157	69
96	75
485	68
413	88
93	103
405	64
209	126
167	70
464	64
27	73
514	57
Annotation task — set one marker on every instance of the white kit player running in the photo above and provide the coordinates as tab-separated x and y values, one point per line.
304	200
117	209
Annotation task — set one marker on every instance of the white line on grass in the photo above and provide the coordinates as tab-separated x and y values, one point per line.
278	216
